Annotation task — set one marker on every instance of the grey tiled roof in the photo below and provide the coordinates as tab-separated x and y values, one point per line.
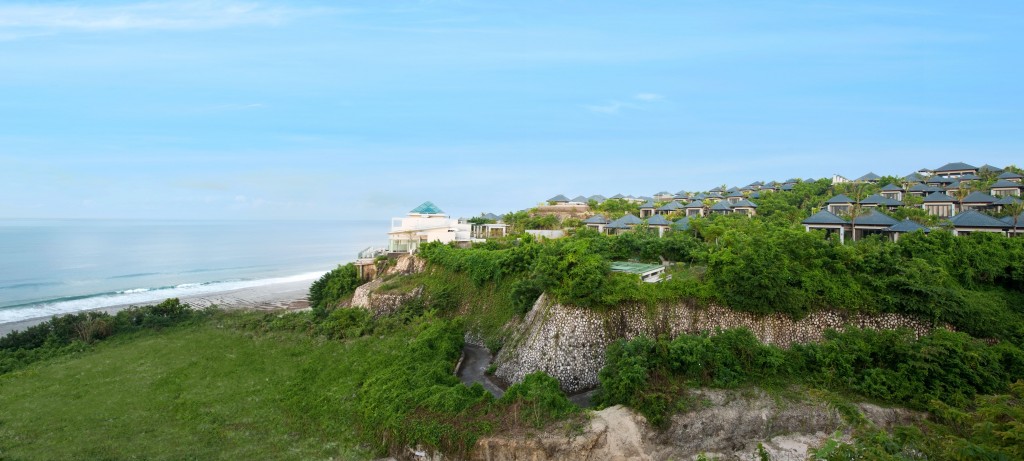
824	217
923	188
955	166
913	177
682	224
1009	175
989	168
978	197
1002	183
721	206
1007	200
658	220
695	204
875	218
869	177
1009	221
671	206
580	198
617	224
938	197
906	226
891	188
841	198
879	200
559	198
648	204
973	218
597	198
744	204
630	219
596	219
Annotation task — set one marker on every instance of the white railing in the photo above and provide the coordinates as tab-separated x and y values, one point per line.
371	252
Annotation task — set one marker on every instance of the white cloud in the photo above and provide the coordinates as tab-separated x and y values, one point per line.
612	107
189	15
640	101
649	96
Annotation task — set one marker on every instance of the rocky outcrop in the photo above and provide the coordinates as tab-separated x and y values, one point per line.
568	343
611	434
723	424
370	296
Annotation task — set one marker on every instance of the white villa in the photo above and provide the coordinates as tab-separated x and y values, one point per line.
425	223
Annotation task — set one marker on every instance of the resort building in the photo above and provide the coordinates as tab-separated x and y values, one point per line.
973	221
955	170
840	204
1004	187
425	223
939	204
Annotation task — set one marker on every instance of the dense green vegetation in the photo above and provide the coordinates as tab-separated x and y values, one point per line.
333	287
944	372
342	383
974	282
175	383
889	366
74	333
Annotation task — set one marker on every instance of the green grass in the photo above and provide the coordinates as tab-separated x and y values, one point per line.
205	391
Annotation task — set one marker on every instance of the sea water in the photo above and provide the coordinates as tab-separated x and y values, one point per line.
52	267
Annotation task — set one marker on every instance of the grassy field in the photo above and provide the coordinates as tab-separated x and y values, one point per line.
206	391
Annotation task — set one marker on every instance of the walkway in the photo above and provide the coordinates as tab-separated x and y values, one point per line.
476	359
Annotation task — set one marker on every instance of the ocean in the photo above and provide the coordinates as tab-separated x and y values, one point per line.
52	267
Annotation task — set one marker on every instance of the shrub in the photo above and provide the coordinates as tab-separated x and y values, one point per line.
537	400
333	287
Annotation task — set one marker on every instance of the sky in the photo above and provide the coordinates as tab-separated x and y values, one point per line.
224	109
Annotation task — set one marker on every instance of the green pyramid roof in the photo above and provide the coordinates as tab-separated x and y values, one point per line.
426	208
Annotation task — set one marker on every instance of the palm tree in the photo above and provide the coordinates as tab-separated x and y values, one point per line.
962	191
856	210
1015	209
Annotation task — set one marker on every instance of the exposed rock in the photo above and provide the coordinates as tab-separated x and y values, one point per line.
612	434
727	425
367	296
568	342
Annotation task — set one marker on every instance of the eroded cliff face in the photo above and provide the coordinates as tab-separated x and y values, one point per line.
722	424
568	342
367	295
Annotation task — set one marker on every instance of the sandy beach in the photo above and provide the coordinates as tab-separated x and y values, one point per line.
279	296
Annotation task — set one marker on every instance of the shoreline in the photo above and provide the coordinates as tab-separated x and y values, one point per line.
292	295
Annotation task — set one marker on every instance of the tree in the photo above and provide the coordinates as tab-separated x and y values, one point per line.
1015	209
857	190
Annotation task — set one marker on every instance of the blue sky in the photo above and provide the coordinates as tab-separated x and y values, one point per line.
335	109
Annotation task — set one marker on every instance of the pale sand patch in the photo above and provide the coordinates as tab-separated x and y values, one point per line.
277	296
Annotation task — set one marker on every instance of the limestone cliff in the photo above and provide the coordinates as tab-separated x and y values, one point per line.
568	342
722	424
369	296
